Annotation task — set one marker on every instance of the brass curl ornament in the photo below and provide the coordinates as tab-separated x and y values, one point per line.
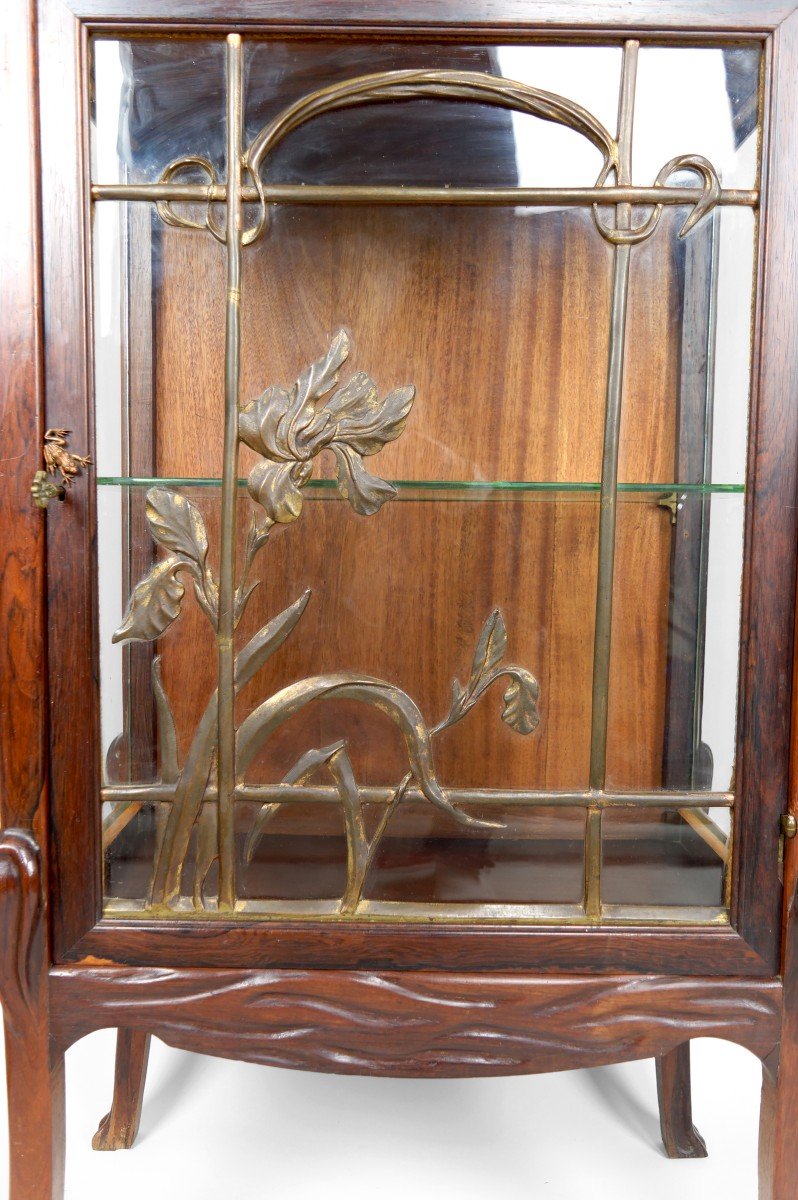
164	207
639	233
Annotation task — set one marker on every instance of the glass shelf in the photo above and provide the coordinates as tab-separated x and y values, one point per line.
474	487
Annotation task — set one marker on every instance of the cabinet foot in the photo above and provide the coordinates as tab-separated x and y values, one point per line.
118	1129
680	1137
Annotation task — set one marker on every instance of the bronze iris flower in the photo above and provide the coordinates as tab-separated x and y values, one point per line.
290	428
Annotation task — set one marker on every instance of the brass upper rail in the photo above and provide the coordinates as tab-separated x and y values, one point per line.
365	194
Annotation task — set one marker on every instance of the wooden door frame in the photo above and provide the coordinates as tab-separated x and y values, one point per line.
751	945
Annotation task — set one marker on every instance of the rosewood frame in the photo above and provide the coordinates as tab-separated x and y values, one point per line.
540	985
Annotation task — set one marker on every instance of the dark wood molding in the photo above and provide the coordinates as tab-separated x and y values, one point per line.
617	16
383	946
414	1023
22	948
23	670
778	1147
771	525
71	527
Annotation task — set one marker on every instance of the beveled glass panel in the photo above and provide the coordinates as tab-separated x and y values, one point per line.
674	858
398	711
156	100
698	100
421	143
675	640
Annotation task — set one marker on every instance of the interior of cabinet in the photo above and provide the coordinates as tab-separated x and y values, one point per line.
500	317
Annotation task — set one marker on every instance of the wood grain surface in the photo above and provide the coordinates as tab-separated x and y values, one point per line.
23	672
502	323
414	1023
34	1075
772	527
778	1151
674	1093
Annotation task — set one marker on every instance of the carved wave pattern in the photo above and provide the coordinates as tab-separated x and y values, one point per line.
418	1023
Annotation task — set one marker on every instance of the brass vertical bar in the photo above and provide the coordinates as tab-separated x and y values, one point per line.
593	851
609	491
227	564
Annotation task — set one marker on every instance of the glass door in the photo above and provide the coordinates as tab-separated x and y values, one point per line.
421	400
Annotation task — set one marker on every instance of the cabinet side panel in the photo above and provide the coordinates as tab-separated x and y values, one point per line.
71	525
22	653
772	528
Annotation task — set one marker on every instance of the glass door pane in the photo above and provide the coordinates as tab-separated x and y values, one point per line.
421	479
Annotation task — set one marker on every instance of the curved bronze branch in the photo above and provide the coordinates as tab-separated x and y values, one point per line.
386	86
346	685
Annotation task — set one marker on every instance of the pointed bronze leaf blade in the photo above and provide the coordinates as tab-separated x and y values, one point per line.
490	649
317	379
154	603
177	525
268	639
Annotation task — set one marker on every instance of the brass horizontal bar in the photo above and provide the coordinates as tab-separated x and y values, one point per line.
270	793
663	914
406	912
293	193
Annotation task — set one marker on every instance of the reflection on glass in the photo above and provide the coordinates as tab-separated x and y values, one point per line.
155	101
690	316
697	100
535	858
664	857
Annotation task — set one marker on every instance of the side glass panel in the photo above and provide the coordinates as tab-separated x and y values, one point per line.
421	500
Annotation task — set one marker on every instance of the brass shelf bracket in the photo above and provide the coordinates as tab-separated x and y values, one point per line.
673	502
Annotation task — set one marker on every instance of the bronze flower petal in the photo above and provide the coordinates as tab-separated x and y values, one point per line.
366	493
276	486
302	420
368	429
258	424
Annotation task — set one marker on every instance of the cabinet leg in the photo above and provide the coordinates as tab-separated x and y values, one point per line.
778	1142
118	1129
778	1146
35	1075
679	1135
36	1124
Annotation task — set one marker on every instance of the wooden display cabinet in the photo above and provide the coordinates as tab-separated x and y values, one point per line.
399	678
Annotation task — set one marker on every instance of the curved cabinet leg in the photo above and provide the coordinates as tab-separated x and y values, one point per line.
35	1075
680	1137
118	1129
778	1129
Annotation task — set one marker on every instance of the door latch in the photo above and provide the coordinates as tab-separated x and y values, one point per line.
789	829
58	459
